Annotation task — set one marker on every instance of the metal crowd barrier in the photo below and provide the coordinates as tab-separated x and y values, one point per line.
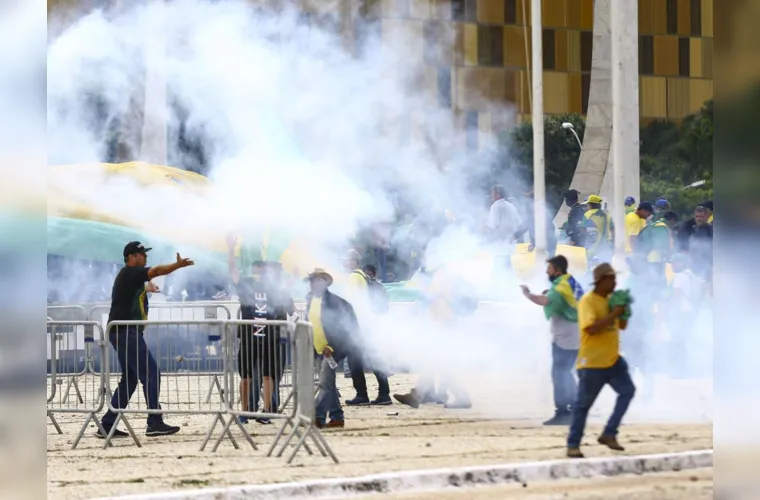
63	339
191	394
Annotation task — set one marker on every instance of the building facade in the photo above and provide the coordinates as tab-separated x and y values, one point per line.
474	56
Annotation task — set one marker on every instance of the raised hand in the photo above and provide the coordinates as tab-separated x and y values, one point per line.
183	262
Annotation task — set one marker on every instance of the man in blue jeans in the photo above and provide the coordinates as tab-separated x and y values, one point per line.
334	322
129	302
599	361
560	304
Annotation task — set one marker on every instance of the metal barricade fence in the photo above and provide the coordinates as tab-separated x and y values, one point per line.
66	342
154	352
188	395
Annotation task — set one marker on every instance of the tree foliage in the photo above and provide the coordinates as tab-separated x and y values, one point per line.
671	157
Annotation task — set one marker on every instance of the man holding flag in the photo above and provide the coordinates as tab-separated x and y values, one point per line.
560	304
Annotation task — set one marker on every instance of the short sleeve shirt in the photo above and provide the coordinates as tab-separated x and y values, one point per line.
602	349
129	300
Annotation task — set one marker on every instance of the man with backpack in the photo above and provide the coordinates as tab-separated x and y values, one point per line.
364	290
599	229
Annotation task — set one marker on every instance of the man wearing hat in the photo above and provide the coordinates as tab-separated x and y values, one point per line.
599	361
334	324
129	302
599	229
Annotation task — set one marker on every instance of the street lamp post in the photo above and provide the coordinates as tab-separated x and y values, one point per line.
569	126
539	176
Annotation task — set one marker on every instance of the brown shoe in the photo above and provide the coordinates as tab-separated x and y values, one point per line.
407	399
574	453
336	424
610	442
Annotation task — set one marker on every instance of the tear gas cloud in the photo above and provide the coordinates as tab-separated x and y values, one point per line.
298	134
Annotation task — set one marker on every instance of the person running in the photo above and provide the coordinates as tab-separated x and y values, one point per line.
560	306
334	323
129	302
599	361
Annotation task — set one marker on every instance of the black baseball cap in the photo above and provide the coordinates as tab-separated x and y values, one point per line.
646	206
134	247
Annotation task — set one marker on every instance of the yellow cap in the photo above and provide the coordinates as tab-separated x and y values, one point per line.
593	199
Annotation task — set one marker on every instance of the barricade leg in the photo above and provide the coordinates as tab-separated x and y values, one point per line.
73	382
90	416
54	422
281	432
313	432
120	417
214	383
227	432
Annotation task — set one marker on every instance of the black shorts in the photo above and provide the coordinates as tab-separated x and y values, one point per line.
263	355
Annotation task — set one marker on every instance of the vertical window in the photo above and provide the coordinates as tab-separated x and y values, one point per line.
684	56
646	55
549	49
672	17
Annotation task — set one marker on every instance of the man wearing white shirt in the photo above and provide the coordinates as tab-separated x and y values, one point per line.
503	217
682	311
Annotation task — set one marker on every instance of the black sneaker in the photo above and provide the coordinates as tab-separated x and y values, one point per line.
161	429
117	433
559	419
382	401
358	401
263	421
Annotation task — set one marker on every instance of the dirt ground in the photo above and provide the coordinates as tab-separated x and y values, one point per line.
376	440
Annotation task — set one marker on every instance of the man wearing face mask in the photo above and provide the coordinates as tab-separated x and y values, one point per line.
334	323
560	305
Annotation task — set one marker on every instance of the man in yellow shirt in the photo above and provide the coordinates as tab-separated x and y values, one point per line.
334	324
630	205
635	222
599	361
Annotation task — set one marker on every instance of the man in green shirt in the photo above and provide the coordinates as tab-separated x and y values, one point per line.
561	309
655	244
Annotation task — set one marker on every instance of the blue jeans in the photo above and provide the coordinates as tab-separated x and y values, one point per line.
328	400
591	381
136	363
563	378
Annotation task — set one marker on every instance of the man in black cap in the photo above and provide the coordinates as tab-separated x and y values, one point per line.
129	302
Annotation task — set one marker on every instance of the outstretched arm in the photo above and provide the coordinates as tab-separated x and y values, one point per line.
540	300
164	269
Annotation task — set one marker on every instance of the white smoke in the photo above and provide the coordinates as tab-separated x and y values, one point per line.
301	134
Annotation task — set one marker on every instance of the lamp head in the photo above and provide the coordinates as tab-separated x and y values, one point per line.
567	125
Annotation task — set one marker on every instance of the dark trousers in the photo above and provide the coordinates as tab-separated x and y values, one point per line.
356	364
563	377
591	381
136	363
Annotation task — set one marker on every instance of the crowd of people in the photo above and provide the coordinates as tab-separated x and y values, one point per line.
669	270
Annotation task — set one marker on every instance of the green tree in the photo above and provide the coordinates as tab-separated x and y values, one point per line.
671	157
560	157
